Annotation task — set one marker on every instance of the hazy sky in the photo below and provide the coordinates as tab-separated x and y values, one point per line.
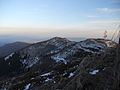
66	18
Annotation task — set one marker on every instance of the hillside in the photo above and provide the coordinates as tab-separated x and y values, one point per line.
61	64
11	47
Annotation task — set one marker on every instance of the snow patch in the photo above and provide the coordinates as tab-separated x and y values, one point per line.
88	45
104	68
58	59
32	78
48	79
6	58
53	51
27	86
30	62
94	72
71	75
46	74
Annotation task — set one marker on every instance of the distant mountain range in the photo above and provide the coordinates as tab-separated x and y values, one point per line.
11	47
59	64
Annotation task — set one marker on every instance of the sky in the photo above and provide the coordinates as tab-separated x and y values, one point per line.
36	19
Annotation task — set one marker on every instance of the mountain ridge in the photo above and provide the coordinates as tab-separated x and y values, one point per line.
58	63
11	47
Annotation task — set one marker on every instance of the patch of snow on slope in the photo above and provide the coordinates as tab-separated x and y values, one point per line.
48	79
46	74
30	62
85	49
9	56
91	46
60	46
71	75
58	59
94	72
27	87
54	51
32	78
55	42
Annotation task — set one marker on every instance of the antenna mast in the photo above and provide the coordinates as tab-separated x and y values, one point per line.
105	34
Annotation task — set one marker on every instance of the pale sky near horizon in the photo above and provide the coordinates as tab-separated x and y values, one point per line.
65	18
